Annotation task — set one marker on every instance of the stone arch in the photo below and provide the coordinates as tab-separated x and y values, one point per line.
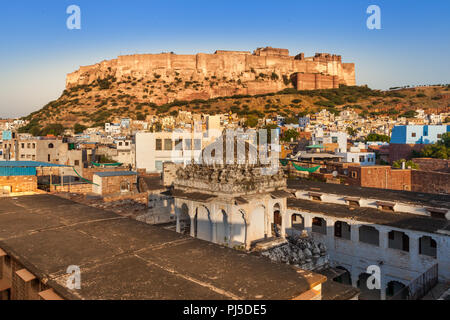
345	278
277	220
396	290
203	225
298	221
342	230
184	219
125	186
366	293
428	246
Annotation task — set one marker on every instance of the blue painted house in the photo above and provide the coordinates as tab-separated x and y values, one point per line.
425	134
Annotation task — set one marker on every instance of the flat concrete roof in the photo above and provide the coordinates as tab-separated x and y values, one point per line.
414	198
122	258
371	215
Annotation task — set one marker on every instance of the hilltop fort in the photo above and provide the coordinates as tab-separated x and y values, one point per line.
168	76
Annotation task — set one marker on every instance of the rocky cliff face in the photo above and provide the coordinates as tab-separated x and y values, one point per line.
166	77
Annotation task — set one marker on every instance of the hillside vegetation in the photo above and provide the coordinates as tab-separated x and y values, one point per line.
106	101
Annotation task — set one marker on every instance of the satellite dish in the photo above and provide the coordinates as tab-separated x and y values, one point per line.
335	173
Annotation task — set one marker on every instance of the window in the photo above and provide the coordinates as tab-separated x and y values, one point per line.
168	144
158	144
297	221
76	162
439	135
120	144
23	145
127	144
50	146
158	165
334	139
48	158
28	145
188	144
413	134
354	174
179	144
361	158
197	144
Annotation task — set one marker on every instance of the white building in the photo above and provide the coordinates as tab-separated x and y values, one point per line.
153	149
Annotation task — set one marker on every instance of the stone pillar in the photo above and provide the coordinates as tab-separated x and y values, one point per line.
330	233
308	223
413	248
354	233
383	238
212	214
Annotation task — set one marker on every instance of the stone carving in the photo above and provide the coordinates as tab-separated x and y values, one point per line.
300	251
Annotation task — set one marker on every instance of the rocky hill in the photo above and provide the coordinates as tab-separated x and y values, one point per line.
265	82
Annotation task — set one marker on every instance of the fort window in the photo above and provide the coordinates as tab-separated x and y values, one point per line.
369	235
413	134
124	186
397	289
428	246
398	240
342	230
23	145
354	173
158	144
319	225
50	146
297	221
277	221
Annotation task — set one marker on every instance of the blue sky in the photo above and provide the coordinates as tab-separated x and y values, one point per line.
37	50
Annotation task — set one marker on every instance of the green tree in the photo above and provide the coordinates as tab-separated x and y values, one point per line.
408	164
289	135
251	122
377	137
79	128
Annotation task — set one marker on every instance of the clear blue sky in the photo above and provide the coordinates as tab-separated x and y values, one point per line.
37	50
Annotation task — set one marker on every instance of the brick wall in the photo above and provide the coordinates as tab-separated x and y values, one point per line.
430	164
383	177
82	188
399	151
88	173
430	181
111	185
19	183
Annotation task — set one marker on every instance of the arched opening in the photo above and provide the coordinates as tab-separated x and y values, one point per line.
222	228
398	240
345	277
319	225
204	224
124	186
366	293
370	235
342	230
50	146
428	246
185	220
277	221
297	222
395	290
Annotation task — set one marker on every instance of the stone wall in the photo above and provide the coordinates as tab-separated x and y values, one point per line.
18	184
430	164
81	188
241	68
383	177
430	182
